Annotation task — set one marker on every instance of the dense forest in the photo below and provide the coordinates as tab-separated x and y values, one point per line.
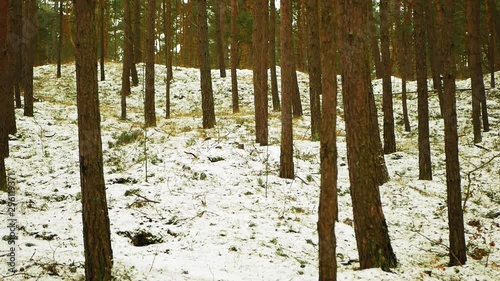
250	139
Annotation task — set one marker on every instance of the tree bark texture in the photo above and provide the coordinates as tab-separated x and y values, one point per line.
234	56
219	36
127	53
149	104
272	56
29	35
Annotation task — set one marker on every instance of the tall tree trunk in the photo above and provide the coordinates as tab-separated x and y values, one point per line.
431	26
207	95
272	56
328	205
402	34
30	30
302	37
5	85
363	149
374	45
491	44
101	29
314	67
389	136
296	103
286	152
96	231
136	21
259	42
496	18
127	53
457	249
12	45
234	56
59	41
16	58
167	18
149	104
219	35
424	148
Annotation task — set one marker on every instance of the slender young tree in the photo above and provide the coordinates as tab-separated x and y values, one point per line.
389	136
234	56
363	149
96	231
286	154
60	39
207	95
424	147
314	67
219	35
127	53
272	55
29	34
475	68
5	85
260	46
101	40
149	103
328	206
457	248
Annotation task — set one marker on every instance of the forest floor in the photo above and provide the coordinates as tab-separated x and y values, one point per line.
209	205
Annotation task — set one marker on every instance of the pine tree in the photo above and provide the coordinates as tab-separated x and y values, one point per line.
272	56
29	35
234	56
5	85
96	231
149	103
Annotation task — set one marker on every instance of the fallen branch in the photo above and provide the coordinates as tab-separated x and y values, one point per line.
148	200
467	193
192	154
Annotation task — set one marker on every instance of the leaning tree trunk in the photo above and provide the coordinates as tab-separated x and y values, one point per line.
363	149
96	231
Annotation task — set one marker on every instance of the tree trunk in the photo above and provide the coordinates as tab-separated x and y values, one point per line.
363	149
402	34
96	232
234	56
374	46
287	72
5	85
457	249
219	36
16	29
59	41
149	104
101	29
424	148
207	95
314	67
167	18
259	41
296	103
431	26
496	18
137	31
389	136
328	206
272	56
12	43
29	34
491	44
127	52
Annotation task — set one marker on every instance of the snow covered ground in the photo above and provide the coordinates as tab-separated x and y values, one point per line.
211	202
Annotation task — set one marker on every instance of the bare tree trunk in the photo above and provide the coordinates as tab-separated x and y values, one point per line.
491	44
149	104
259	42
402	35
127	52
457	249
328	205
12	49
314	67
363	149
374	46
234	56
207	95
296	103
432	27
137	31
96	231
287	72
389	136
424	148
101	20
219	36
167	18
29	33
59	42
272	56
5	86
